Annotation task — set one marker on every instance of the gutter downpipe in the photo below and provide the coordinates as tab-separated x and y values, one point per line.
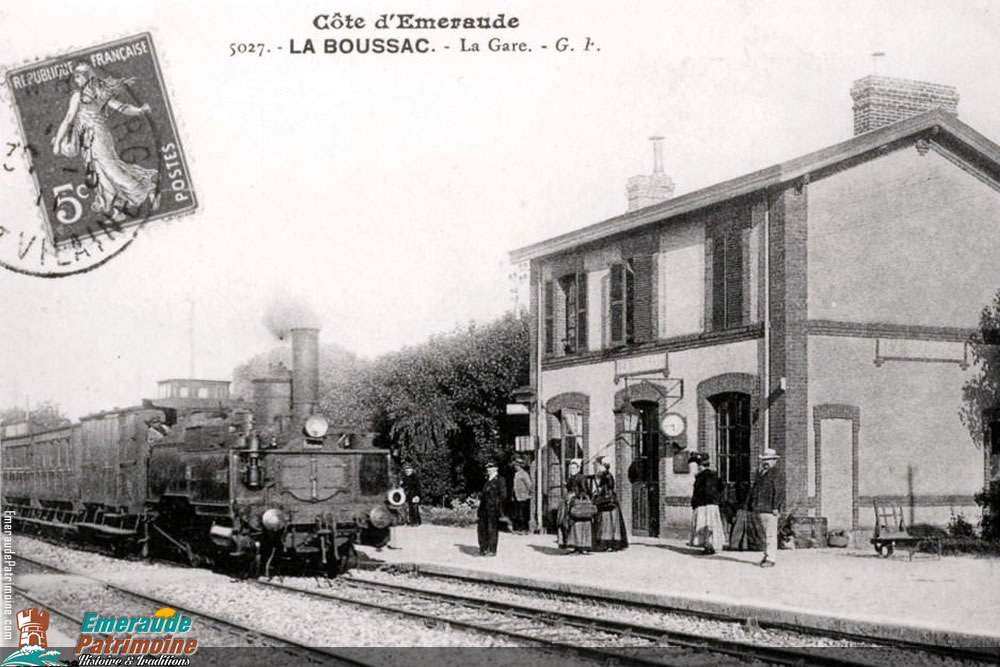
540	421
766	371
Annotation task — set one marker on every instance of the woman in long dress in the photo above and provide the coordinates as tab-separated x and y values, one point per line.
707	529
577	534
609	526
85	131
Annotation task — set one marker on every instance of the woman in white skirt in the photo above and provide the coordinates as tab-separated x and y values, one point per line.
707	529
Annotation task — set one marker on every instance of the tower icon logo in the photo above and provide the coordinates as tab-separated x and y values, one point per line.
33	623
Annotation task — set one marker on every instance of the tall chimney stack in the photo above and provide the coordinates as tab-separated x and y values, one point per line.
883	100
305	372
649	189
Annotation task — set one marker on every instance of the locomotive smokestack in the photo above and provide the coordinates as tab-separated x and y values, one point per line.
305	372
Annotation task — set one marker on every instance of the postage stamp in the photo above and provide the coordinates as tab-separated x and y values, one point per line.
102	140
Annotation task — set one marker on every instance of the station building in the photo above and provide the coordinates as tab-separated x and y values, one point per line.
823	306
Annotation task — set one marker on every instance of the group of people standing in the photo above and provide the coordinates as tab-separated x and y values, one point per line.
756	521
590	518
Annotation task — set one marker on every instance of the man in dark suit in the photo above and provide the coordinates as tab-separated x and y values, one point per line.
490	506
411	485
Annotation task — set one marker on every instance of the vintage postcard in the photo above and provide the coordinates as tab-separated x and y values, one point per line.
503	333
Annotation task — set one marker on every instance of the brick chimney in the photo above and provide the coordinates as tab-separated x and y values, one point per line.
649	189
883	100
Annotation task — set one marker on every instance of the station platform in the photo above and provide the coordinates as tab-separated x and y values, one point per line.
950	600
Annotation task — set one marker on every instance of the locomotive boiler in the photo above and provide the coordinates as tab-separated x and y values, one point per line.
267	486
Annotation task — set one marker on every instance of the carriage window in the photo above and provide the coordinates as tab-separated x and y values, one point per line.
374	474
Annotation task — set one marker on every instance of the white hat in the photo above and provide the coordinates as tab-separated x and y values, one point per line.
769	454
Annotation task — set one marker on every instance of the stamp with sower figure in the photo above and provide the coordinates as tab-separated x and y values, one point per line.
103	143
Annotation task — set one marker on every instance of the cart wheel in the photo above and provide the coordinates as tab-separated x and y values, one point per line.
885	549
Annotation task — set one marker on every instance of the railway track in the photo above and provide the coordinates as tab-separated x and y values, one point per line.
290	648
600	639
979	655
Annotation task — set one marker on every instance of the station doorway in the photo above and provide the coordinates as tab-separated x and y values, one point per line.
644	472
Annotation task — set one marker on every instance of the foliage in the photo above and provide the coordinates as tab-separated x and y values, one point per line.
461	512
989	500
45	416
981	393
969	546
959	526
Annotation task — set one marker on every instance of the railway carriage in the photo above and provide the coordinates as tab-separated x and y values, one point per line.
268	486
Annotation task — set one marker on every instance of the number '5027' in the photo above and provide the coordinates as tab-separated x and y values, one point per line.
68	207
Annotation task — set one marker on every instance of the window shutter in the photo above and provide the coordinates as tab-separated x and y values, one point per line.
629	308
616	307
567	323
643	298
719	283
581	317
549	310
605	310
734	278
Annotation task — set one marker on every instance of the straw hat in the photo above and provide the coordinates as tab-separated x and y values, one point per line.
769	455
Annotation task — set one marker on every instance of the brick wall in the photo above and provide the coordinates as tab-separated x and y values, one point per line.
789	353
881	100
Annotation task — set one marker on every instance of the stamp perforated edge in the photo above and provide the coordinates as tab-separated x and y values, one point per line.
161	64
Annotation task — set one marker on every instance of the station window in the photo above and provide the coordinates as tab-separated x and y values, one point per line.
732	442
183	392
202	392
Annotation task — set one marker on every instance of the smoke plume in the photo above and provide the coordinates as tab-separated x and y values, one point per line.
286	312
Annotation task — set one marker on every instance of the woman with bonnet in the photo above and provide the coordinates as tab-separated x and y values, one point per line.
576	526
707	529
609	526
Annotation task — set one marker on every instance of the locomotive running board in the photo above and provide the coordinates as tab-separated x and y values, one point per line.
105	531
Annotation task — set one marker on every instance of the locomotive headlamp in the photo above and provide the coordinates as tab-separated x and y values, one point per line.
316	426
273	520
380	517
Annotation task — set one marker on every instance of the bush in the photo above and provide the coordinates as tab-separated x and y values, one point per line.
464	512
989	500
959	526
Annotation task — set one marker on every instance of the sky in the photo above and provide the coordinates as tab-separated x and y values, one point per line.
384	193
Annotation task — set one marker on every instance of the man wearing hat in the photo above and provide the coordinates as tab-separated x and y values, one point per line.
522	497
411	485
767	499
490	507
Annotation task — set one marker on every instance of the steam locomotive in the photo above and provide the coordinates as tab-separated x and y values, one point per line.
267	487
